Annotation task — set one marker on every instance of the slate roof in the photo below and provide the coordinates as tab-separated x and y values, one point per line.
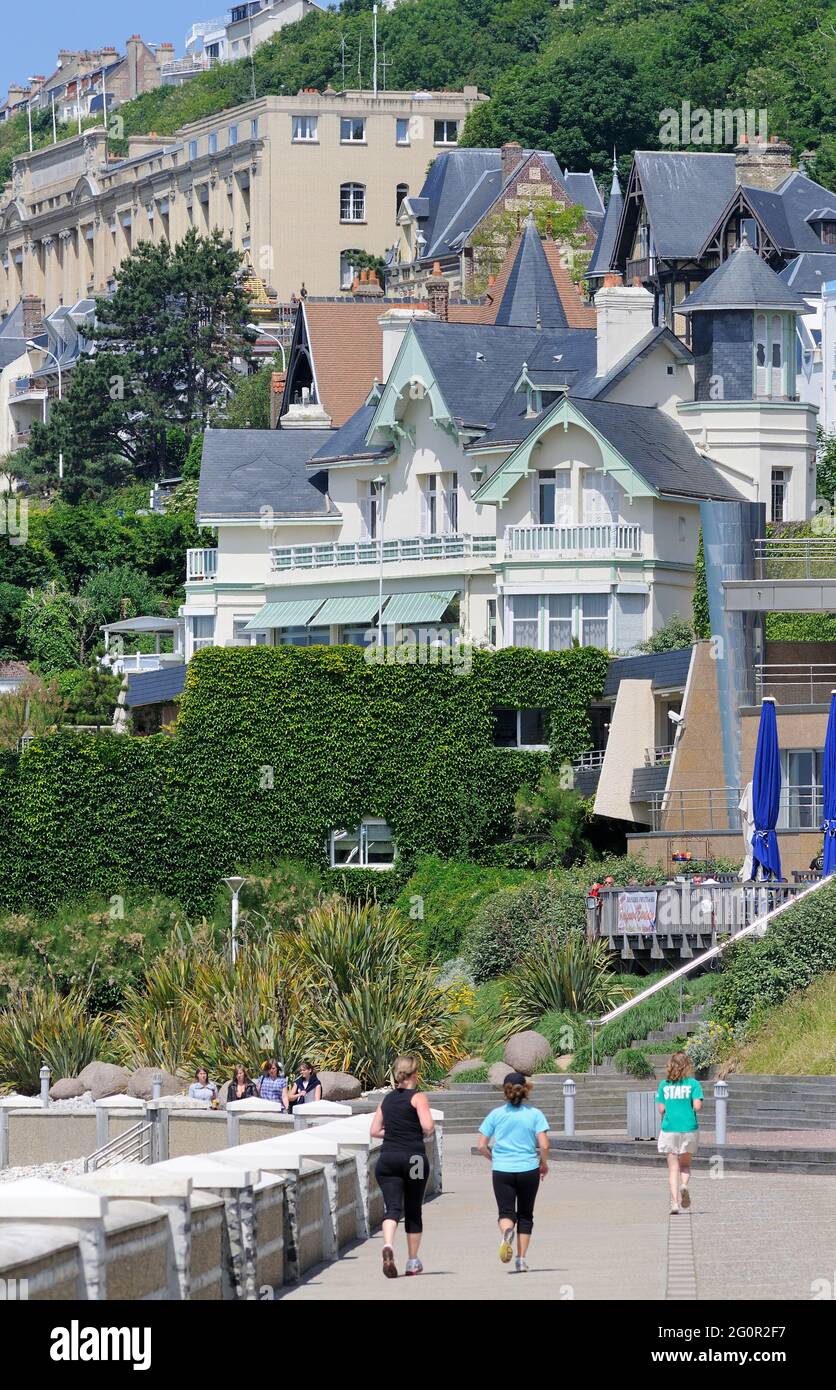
744	281
155	687
801	195
12	344
349	442
657	448
601	260
243	471
664	670
448	183
685	195
808	272
530	294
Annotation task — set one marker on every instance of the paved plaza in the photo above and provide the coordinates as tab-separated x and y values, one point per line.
601	1232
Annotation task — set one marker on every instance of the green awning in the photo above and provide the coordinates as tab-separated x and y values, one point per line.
353	608
294	612
405	609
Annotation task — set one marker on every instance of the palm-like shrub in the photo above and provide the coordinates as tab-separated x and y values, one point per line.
345	941
41	1026
576	977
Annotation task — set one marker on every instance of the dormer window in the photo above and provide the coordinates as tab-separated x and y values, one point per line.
823	224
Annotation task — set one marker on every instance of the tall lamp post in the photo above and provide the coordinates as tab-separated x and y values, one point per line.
265	333
379	484
234	884
34	347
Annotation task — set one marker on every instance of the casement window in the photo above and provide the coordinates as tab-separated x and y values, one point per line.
304	130
232	136
492	633
352	130
555	622
402	130
600	499
801	789
192	149
520	728
347	272
401	192
445	132
254	128
369	846
352	202
770	357
213	142
440	504
242	638
303	636
202	632
368	511
554	497
780	483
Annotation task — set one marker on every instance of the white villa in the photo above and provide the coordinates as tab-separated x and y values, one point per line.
525	482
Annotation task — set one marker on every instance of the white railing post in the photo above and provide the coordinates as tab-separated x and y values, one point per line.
44	1075
721	1101
569	1089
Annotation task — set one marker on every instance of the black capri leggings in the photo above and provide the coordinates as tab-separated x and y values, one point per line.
402	1178
515	1195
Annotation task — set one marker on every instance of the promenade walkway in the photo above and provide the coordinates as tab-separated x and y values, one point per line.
601	1232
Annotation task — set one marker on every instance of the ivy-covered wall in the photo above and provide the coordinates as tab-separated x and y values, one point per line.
275	748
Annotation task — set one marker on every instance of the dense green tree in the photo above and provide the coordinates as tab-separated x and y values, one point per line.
50	631
248	407
12	598
120	591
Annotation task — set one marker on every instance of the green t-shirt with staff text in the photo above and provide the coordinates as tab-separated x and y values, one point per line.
678	1098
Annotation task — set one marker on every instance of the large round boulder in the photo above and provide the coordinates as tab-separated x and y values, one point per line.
104	1079
223	1092
141	1083
497	1073
68	1088
526	1051
339	1085
468	1064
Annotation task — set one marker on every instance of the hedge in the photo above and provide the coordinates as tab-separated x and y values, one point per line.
274	748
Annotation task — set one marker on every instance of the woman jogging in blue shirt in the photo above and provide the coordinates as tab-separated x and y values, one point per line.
520	1159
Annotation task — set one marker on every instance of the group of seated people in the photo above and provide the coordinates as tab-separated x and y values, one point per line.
271	1085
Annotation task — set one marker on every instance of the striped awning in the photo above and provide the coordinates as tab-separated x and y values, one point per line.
294	612
352	608
405	609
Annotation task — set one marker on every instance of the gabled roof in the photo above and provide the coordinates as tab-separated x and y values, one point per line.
744	281
685	195
809	271
649	451
594	387
448	183
245	472
530	295
800	195
346	345
601	260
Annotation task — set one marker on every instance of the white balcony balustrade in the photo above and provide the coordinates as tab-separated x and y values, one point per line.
201	564
332	554
607	538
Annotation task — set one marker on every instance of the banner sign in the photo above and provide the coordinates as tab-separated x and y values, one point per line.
637	912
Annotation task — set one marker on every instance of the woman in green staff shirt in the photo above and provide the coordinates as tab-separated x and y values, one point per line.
679	1100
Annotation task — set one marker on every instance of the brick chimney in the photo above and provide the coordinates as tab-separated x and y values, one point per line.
438	293
32	310
277	381
369	286
762	164
510	156
132	59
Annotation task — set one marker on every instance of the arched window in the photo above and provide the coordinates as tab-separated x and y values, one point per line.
352	202
401	192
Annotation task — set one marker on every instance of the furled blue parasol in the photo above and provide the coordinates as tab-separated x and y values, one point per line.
828	780
766	796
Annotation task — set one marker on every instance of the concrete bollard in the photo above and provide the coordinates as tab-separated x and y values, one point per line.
4	1137
721	1103
233	1130
45	1076
569	1089
158	1120
156	1085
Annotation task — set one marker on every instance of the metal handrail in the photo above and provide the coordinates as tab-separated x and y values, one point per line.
759	925
795	682
799	557
719	806
133	1146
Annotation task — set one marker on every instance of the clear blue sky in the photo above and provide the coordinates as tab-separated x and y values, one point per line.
33	33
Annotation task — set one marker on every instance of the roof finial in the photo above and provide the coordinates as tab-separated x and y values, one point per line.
744	239
538	322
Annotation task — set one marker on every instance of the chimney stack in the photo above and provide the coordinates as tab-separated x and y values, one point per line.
624	314
369	286
438	293
762	164
32	311
510	155
277	381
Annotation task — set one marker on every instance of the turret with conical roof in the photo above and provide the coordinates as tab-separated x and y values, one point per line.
743	331
530	295
601	260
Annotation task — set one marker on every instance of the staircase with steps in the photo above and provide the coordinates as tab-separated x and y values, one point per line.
755	1102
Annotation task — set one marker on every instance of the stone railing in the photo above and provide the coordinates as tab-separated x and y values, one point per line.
234	1220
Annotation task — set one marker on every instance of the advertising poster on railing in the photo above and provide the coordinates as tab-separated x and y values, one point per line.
637	912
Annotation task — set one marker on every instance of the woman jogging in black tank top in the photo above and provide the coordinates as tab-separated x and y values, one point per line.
403	1120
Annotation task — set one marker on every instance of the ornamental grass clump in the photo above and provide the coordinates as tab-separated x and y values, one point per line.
575	977
40	1027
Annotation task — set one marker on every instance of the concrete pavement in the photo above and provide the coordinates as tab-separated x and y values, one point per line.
601	1232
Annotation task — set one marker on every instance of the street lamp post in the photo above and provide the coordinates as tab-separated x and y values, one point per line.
265	333
234	884
379	484
34	347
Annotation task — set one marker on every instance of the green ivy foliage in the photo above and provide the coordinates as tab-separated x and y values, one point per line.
699	602
276	747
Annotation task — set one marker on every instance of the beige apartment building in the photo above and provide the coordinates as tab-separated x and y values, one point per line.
296	182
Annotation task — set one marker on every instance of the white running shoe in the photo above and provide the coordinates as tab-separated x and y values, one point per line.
521	1265
674	1209
414	1266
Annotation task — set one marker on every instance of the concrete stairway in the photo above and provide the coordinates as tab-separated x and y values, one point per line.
755	1102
